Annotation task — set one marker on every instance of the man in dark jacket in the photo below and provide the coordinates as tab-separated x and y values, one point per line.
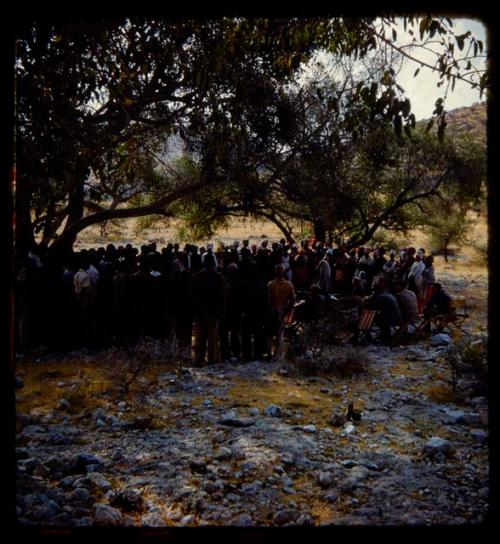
231	324
439	304
388	310
207	294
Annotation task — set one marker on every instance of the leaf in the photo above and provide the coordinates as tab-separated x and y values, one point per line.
424	26
394	34
416	72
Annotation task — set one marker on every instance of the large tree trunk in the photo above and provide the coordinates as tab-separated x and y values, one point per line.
71	231
75	214
281	225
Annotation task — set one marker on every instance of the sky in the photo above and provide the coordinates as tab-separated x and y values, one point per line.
422	90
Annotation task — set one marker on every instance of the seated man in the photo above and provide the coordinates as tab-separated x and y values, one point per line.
388	310
313	307
439	304
408	304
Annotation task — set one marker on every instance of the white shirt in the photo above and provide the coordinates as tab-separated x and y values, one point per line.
416	269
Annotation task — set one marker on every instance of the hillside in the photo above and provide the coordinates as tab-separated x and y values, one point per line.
470	120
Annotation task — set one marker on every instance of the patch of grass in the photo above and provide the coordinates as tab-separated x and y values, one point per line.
440	393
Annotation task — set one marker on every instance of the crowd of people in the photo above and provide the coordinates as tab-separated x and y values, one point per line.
235	298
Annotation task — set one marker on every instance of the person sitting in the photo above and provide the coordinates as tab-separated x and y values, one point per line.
439	304
388	310
408	304
313	307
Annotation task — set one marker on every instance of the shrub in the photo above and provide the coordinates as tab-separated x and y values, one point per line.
468	358
343	361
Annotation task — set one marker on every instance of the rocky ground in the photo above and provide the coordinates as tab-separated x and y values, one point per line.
217	451
255	444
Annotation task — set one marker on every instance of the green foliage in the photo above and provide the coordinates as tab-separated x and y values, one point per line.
96	102
389	240
468	358
450	227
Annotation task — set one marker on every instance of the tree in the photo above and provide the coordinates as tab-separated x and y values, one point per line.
95	98
452	228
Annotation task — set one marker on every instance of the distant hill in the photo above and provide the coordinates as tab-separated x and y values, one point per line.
469	119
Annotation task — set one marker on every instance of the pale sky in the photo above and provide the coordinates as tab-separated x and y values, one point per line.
422	90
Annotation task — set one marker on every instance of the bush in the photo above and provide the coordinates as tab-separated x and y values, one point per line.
468	362
128	365
344	362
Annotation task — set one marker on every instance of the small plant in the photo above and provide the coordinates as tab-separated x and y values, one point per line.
345	362
468	358
131	363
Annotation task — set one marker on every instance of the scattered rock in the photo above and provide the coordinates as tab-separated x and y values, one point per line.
325	479
213	487
273	411
349	463
440	339
231	419
331	496
106	515
252	488
437	445
152	519
223	453
97	481
305	519
285	516
243	520
128	500
79	495
64	405
83	460
310	429
453	417
479	436
198	465
47	511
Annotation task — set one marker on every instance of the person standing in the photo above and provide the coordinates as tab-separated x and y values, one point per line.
281	296
416	281
207	295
